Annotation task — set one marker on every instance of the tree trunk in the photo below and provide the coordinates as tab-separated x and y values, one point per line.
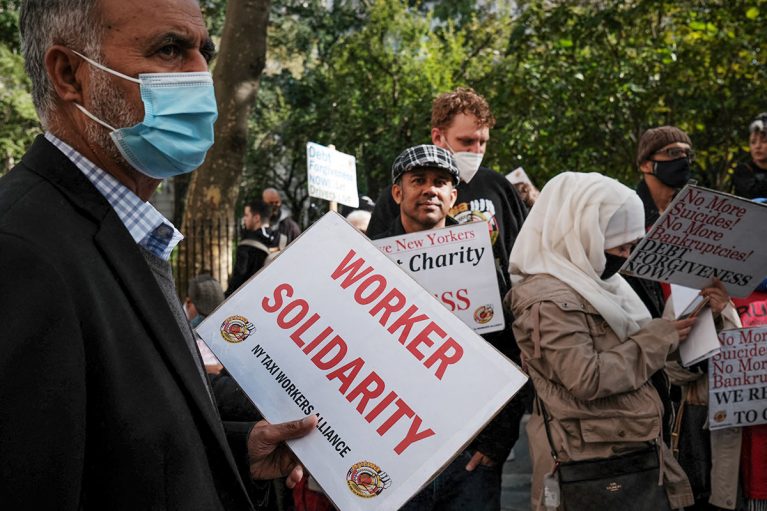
208	221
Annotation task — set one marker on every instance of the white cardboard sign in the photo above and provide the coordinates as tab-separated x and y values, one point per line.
737	379
332	327
456	265
518	175
705	234
331	175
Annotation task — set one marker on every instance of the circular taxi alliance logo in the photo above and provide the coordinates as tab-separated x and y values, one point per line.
366	480
483	314
236	329
720	416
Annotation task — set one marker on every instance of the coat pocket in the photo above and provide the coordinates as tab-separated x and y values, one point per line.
620	429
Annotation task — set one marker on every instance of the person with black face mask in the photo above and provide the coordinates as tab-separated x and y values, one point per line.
664	155
664	158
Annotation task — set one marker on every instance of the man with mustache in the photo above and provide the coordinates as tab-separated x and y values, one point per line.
105	401
424	187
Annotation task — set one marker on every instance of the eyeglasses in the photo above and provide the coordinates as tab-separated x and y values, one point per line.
674	153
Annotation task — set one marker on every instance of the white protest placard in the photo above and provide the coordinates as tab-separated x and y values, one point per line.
737	379
334	328
331	175
518	175
702	342
705	234
456	265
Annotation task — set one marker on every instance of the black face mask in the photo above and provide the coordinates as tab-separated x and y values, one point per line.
612	265
674	173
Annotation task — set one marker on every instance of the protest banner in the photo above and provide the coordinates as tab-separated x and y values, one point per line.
333	328
737	379
331	175
705	234
456	265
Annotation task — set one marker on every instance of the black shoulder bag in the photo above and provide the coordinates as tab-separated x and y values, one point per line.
627	482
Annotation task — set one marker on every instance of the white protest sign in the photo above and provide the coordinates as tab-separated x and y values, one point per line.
702	342
456	265
332	327
331	175
737	379
705	234
517	176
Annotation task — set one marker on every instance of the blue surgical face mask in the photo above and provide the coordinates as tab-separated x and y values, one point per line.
177	130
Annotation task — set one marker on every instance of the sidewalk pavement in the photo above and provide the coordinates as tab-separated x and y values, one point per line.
517	471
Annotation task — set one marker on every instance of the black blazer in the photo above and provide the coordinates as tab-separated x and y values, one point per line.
101	405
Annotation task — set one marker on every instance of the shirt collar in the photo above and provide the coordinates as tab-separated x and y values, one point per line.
147	226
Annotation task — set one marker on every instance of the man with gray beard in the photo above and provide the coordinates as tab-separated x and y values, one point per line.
105	402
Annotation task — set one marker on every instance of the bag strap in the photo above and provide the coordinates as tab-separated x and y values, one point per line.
546	420
676	432
254	244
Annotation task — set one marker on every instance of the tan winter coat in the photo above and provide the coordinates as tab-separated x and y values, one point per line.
595	387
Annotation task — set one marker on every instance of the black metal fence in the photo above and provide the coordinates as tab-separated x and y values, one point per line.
208	246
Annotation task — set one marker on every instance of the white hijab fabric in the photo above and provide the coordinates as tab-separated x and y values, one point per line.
564	236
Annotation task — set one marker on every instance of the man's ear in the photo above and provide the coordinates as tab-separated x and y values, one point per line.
453	196
646	167
396	193
436	136
65	74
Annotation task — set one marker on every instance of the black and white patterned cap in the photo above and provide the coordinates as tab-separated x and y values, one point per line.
422	157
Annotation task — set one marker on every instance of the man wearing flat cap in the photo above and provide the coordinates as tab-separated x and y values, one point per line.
424	179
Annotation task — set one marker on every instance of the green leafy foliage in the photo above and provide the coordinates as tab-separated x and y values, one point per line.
572	84
18	119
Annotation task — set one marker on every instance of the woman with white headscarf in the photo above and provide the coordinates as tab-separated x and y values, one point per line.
589	343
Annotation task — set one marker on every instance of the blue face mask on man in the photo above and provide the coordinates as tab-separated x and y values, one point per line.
177	130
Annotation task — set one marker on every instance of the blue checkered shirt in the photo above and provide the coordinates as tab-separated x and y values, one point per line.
145	224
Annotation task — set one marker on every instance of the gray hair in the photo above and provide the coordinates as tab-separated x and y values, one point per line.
43	23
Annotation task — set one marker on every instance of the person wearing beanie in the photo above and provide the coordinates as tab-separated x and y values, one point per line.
663	160
664	156
750	178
